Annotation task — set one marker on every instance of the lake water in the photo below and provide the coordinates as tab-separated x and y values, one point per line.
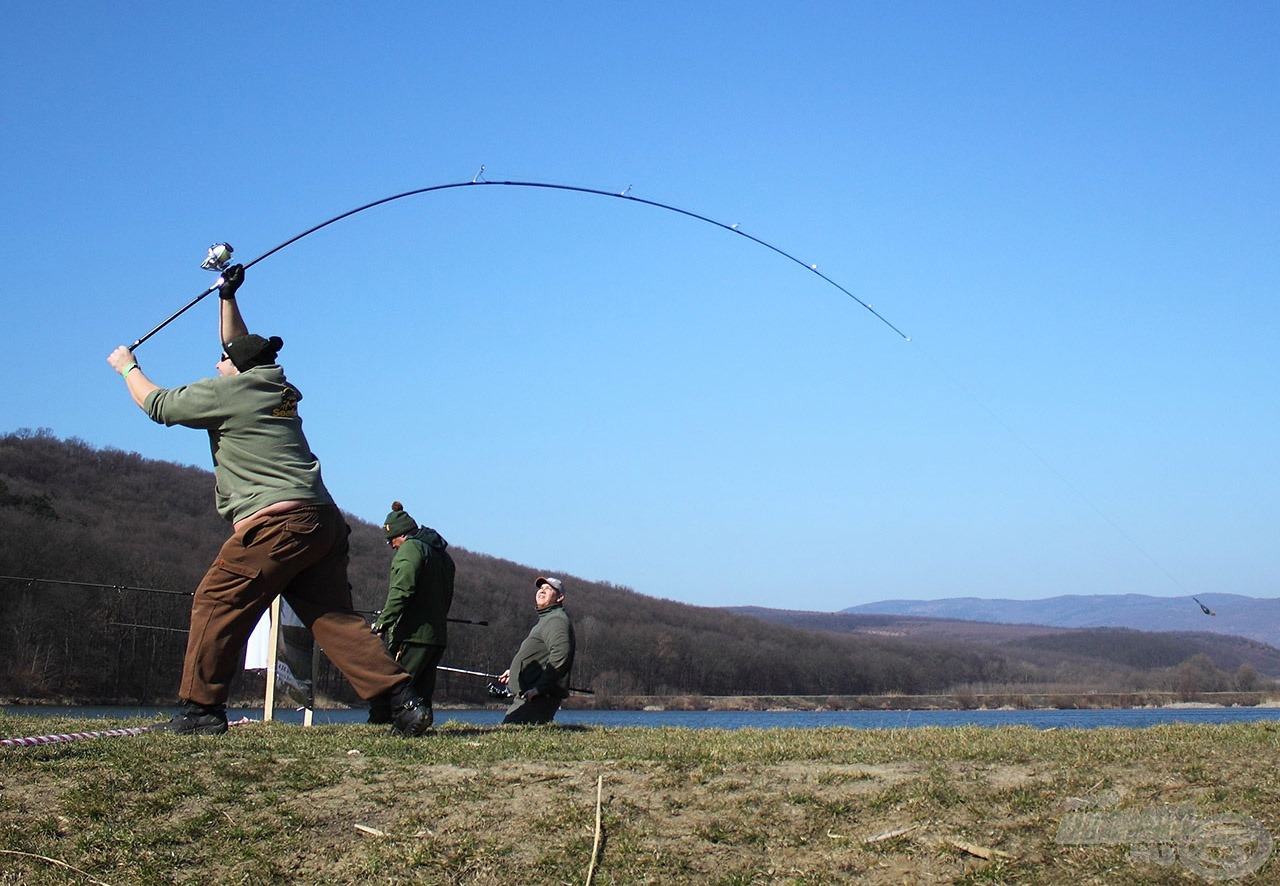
1036	719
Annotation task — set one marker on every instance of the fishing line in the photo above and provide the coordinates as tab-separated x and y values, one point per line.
220	253
88	584
1048	466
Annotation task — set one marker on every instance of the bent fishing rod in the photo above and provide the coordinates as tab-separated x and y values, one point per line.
497	676
219	256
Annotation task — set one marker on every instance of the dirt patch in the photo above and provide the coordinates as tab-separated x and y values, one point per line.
900	822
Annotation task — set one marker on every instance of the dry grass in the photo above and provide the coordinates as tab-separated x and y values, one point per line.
348	804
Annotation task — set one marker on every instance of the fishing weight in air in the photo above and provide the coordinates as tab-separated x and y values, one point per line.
219	255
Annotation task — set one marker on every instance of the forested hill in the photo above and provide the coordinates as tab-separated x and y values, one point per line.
1048	647
70	512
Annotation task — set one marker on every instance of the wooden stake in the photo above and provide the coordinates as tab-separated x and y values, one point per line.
273	642
595	847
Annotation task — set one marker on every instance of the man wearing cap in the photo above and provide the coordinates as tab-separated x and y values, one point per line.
289	537
541	667
414	620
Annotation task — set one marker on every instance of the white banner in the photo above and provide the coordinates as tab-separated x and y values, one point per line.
255	657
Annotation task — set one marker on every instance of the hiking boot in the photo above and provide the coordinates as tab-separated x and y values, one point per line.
198	719
409	716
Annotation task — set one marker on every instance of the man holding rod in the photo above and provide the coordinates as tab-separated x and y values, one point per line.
288	535
539	673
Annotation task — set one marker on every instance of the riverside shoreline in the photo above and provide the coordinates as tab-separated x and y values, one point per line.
942	702
889	702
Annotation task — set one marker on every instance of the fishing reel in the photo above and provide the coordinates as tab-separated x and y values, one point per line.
497	690
219	257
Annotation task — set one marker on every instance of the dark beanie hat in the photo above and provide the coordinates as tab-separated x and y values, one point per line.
399	522
249	350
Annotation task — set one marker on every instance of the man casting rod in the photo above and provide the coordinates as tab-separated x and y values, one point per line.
222	259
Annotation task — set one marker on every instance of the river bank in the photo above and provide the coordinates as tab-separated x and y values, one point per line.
88	718
484	805
944	702
890	702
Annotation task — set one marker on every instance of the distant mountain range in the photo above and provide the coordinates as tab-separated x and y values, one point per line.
1251	617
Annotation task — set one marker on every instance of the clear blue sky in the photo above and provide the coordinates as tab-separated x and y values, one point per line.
1071	208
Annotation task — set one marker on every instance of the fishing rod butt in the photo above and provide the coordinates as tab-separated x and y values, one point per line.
176	314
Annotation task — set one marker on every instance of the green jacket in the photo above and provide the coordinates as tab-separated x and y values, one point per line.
260	456
420	593
545	658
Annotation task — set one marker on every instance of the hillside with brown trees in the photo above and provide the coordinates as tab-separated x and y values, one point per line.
119	541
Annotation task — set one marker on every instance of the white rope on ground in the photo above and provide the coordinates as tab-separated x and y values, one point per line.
30	740
64	737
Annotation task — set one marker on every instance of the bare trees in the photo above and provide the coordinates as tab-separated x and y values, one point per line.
60	518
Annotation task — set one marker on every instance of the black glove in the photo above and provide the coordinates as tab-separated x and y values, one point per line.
232	277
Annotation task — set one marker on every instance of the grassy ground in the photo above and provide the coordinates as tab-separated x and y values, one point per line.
273	803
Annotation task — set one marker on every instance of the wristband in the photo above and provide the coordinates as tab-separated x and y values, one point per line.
132	366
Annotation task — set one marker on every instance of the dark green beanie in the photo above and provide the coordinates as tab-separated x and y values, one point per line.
399	522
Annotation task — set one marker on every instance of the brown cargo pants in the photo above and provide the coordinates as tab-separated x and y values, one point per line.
301	554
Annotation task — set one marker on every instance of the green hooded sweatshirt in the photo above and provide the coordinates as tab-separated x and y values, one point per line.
260	456
420	593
